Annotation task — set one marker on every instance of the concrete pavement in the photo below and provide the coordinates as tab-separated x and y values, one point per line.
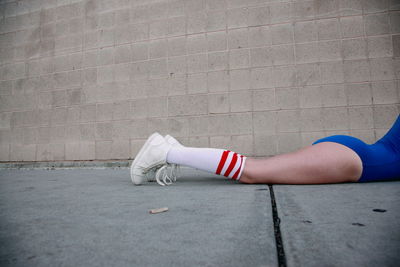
96	217
85	217
340	225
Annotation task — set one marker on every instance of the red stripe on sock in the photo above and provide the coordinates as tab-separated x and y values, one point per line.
231	165
222	161
235	176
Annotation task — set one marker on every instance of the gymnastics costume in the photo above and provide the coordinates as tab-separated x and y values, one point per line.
381	160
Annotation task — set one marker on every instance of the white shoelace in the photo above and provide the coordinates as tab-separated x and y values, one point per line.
167	174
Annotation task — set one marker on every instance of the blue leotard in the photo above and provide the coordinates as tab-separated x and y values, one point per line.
381	161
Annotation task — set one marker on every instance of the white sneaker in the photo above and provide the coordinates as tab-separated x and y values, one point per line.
169	172
151	155
173	141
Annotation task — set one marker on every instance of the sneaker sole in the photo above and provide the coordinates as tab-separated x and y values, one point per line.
144	147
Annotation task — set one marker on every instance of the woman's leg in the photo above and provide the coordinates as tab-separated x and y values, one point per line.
321	163
325	162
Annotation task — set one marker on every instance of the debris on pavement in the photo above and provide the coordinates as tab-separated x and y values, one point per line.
155	211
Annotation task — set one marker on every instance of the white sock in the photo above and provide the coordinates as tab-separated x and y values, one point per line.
218	161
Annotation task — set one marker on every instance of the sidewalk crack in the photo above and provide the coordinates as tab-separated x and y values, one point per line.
277	230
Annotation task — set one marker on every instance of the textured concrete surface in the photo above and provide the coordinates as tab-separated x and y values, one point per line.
91	79
94	217
99	218
66	164
340	225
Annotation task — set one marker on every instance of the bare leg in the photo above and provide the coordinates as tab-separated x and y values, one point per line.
322	163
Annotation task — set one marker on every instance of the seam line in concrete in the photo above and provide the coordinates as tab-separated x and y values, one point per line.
277	230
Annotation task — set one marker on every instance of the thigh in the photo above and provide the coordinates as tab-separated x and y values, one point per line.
333	162
325	162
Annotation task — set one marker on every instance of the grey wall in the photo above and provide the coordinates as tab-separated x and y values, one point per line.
83	80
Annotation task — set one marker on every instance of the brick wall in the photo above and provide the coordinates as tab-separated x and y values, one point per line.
83	80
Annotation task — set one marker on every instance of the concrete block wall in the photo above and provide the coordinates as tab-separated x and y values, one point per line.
90	80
